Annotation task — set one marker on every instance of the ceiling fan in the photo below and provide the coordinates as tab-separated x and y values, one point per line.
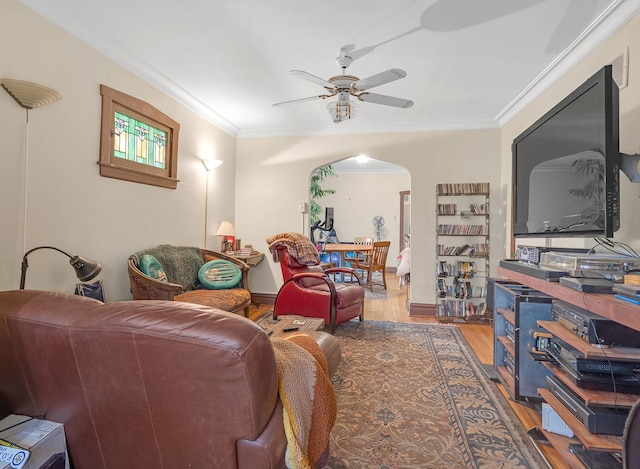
343	86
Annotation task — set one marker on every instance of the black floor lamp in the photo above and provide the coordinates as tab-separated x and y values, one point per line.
85	269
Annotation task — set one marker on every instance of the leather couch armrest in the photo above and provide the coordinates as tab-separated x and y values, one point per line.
268	450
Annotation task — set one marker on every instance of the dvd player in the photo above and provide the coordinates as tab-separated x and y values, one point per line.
625	384
593	328
588	285
532	270
596	419
573	358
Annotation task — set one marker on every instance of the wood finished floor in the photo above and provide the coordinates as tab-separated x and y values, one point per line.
479	337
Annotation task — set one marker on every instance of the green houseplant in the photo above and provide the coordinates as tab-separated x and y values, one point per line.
317	192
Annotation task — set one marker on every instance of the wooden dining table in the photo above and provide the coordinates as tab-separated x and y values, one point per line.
343	248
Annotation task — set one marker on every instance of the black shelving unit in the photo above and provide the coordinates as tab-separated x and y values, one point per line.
517	309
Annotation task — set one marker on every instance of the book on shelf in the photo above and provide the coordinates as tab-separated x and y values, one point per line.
444	269
472	188
480	250
463	309
463	230
465	269
447	209
479	209
464	250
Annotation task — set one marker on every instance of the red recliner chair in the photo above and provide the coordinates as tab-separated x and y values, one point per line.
309	291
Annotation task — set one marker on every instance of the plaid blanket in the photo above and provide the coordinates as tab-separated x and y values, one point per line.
298	245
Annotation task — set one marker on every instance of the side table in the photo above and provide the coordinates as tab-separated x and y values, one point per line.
283	322
251	260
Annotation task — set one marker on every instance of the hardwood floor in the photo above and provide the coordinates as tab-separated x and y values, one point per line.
479	337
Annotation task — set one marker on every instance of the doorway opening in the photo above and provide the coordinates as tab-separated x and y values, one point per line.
405	220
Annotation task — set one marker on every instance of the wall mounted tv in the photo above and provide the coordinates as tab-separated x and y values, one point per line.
566	166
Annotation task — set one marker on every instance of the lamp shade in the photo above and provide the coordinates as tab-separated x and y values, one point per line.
85	269
226	229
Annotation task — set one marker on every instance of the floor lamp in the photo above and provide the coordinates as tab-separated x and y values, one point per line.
85	269
209	165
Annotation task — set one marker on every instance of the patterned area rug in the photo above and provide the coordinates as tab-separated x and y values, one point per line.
414	396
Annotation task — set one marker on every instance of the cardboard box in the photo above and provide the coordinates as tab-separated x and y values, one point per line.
552	422
30	443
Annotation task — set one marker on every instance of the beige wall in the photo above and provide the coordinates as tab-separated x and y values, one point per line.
360	197
273	176
68	204
628	36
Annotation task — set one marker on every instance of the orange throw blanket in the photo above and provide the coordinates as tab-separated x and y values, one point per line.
308	400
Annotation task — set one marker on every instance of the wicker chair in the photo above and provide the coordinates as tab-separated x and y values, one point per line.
185	286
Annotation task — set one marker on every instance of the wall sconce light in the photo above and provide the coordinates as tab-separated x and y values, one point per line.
228	232
210	165
86	269
29	95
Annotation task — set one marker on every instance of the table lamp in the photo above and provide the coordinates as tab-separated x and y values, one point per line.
228	233
85	269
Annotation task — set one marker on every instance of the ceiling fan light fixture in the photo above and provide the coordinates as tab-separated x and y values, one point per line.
342	110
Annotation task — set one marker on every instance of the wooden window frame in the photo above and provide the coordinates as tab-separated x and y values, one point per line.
118	168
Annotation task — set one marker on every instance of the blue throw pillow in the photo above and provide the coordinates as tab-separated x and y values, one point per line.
151	266
219	275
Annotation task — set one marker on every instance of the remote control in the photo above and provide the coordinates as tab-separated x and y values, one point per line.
289	329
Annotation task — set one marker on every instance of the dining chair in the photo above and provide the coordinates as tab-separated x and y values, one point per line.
351	258
376	262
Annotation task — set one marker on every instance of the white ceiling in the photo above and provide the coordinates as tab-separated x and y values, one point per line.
469	63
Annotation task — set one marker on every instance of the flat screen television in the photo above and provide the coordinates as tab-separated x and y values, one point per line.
566	166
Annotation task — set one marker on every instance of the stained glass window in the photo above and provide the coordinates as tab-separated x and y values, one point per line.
138	142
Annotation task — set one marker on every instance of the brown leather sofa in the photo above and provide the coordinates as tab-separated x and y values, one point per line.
144	384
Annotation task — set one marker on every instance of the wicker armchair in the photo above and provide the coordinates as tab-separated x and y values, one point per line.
182	279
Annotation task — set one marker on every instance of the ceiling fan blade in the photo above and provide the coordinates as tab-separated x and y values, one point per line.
302	100
379	79
386	100
312	78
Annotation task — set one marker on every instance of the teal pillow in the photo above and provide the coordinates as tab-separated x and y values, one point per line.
151	266
219	275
